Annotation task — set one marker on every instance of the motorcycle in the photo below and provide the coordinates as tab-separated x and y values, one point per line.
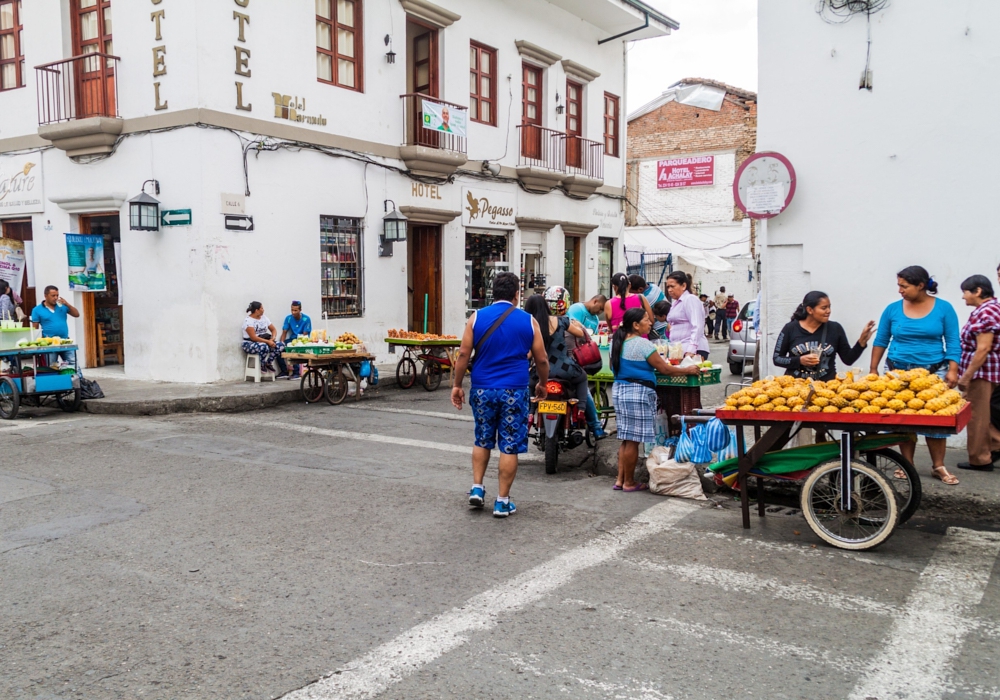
559	423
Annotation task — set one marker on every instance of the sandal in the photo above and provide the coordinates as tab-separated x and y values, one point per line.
637	487
899	474
616	487
943	476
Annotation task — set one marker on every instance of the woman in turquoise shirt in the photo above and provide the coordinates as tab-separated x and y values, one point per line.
920	331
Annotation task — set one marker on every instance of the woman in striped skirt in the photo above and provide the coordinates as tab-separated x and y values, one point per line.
633	360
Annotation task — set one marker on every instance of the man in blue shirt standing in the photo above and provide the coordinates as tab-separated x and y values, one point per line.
51	315
502	335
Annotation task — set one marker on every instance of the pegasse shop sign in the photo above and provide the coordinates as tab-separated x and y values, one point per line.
21	188
488	208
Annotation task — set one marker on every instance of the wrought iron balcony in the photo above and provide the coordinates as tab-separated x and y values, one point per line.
434	141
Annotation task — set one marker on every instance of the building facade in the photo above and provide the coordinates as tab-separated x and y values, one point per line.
880	185
684	149
276	137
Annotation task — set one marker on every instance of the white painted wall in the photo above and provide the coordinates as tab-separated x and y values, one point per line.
902	175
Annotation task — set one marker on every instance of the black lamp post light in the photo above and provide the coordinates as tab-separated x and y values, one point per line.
393	230
144	210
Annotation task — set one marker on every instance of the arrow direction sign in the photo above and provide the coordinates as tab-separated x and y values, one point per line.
175	217
237	222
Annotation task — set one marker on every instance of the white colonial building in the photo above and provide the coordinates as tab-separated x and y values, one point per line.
277	135
885	178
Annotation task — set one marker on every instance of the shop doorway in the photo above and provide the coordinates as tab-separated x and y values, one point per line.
533	279
486	256
424	263
21	231
571	277
605	263
103	317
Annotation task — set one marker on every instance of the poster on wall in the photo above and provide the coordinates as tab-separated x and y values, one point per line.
12	262
685	172
21	185
85	255
445	118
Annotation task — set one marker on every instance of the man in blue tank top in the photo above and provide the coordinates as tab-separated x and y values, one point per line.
503	336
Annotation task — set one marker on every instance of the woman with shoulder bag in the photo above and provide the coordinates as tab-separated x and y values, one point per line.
808	345
559	333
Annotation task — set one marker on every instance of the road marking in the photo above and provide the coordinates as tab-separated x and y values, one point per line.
929	631
395	660
369	437
414	412
745	582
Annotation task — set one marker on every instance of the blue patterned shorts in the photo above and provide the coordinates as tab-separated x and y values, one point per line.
501	415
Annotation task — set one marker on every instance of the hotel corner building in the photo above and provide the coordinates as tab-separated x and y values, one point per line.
495	127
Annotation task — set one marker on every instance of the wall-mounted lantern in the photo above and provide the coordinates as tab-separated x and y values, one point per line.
393	230
144	210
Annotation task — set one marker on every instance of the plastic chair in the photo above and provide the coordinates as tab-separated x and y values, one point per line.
253	371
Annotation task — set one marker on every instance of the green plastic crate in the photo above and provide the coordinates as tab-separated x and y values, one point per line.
712	376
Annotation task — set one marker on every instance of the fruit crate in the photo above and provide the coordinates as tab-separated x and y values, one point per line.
311	349
704	378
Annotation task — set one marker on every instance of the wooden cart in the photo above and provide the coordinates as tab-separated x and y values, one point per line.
435	358
26	381
836	494
330	375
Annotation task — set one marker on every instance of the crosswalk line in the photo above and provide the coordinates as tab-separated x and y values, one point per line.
393	661
930	630
415	412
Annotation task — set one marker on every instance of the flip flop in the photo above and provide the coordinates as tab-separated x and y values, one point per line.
637	487
616	487
946	478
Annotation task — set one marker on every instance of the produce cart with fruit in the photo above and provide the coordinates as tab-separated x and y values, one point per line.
331	367
27	377
855	490
436	354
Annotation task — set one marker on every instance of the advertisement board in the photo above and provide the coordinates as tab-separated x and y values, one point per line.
685	172
488	208
21	185
445	118
12	262
85	256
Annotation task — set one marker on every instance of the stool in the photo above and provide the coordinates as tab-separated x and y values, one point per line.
254	372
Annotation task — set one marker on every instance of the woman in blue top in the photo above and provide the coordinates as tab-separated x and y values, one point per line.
920	331
633	360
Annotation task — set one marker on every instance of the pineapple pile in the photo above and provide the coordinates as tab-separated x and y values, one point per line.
912	392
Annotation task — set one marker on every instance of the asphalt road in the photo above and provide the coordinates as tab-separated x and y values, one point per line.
328	552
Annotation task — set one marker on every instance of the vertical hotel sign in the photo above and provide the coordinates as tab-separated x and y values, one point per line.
21	185
685	172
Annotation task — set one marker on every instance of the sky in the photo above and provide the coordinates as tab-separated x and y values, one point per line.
717	40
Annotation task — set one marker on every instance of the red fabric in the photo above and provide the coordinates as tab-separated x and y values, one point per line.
984	319
732	308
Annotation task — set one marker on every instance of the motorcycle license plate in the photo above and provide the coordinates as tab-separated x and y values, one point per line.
552	407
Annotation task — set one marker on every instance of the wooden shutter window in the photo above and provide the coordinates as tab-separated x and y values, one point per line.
611	119
11	48
482	84
339	46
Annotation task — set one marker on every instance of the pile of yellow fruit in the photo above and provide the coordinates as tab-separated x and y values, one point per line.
912	392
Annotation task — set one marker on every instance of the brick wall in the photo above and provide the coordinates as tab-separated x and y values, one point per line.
674	130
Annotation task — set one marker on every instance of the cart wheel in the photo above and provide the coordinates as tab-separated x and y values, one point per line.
312	385
602	404
10	398
336	387
906	485
430	375
868	524
70	402
406	373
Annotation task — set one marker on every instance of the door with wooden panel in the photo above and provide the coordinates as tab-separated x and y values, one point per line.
531	111
21	231
94	78
424	244
425	79
574	124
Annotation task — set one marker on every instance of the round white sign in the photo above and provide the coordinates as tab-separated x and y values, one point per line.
764	185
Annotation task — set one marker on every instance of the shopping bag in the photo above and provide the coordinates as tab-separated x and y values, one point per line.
716	435
700	454
685	444
668	477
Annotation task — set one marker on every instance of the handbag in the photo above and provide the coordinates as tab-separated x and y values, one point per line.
588	355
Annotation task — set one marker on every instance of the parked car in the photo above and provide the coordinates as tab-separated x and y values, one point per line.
742	340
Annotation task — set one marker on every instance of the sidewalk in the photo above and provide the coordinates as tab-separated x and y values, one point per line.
130	397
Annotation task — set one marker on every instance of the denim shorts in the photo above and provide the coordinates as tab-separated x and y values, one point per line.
501	417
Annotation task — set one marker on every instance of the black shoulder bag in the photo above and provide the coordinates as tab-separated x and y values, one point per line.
488	333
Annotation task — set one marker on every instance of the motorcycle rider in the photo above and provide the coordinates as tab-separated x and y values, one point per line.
549	311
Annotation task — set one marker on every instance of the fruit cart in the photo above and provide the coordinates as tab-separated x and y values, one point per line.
330	373
435	355
27	379
849	502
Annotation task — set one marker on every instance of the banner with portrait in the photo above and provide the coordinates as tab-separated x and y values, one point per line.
12	263
85	256
445	118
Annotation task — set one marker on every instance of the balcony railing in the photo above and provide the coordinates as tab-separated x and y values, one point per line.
434	123
541	148
584	157
77	88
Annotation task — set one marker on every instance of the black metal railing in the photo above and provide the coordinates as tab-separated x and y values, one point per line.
77	88
584	157
430	122
541	148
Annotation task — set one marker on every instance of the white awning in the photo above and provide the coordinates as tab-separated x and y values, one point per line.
706	260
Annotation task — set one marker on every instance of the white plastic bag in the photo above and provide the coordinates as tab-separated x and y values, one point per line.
668	477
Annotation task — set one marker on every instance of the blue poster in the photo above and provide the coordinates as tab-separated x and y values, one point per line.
85	254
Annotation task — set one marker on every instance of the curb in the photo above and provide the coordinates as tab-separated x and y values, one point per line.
233	403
